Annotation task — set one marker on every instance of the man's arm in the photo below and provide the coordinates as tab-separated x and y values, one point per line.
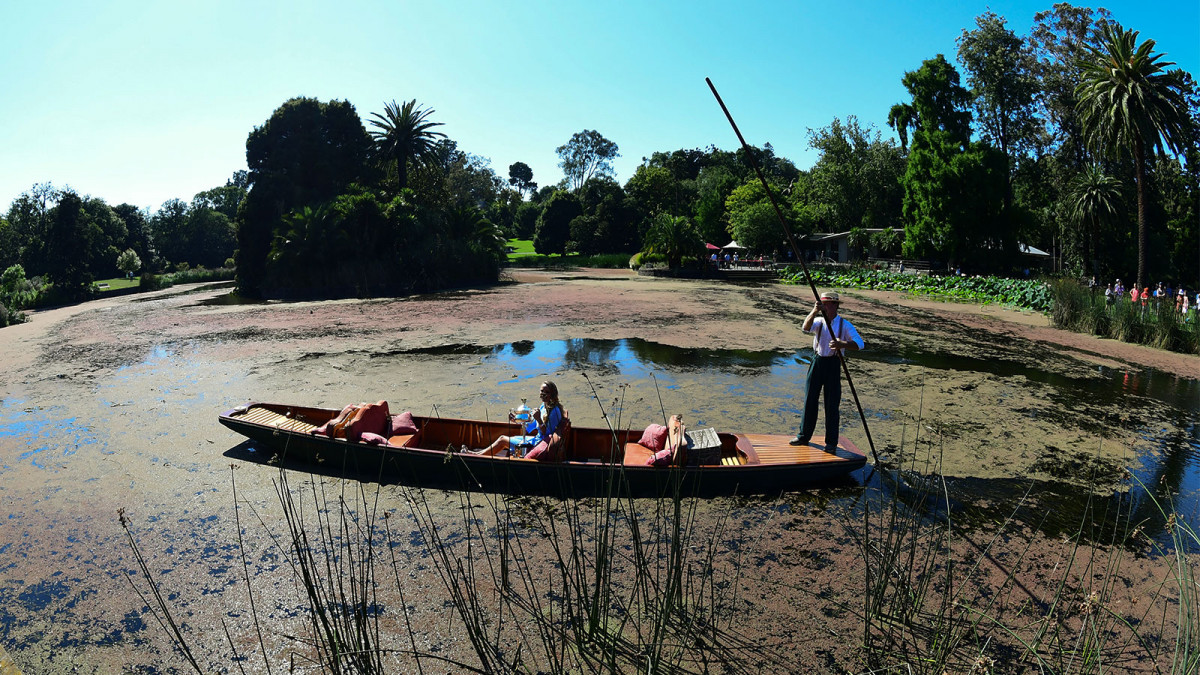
855	342
808	320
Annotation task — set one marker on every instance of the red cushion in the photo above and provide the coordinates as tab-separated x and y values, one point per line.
403	424
654	437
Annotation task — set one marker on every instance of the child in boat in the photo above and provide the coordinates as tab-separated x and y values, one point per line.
546	420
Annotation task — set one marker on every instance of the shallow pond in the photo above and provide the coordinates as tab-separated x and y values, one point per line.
1171	471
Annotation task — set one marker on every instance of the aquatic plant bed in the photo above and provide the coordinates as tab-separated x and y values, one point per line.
1031	294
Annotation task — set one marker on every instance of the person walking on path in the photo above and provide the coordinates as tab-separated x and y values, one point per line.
824	372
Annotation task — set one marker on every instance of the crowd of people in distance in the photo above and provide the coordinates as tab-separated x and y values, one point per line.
730	260
1185	303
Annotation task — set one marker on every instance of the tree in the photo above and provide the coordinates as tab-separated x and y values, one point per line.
1094	198
949	182
752	219
714	184
554	223
1130	104
526	219
225	200
129	262
239	179
210	237
69	239
520	176
587	154
138	236
1059	39
29	216
654	190
673	237
170	229
10	248
405	134
107	233
457	178
1000	71
307	153
856	180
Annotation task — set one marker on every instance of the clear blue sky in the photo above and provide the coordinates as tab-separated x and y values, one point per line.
141	102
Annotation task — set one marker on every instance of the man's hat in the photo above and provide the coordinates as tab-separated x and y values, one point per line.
830	296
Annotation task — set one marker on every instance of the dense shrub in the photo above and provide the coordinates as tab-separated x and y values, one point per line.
1024	293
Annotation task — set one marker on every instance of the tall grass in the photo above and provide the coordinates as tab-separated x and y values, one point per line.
1156	324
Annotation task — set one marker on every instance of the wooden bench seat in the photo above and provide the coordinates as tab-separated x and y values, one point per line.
636	454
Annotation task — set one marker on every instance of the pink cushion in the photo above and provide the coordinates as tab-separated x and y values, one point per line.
373	439
660	458
654	437
540	452
403	424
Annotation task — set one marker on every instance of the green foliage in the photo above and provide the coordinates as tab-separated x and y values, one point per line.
455	178
554	223
954	190
1131	106
69	242
1022	293
520	176
653	190
856	180
526	219
587	154
714	185
224	200
674	238
999	68
129	262
405	134
886	242
16	293
752	220
306	154
1093	199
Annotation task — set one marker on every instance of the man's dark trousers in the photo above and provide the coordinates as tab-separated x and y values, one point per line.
824	373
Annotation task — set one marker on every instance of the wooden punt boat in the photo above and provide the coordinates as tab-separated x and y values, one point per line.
598	461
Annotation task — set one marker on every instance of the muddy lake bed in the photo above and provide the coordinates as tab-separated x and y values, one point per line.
112	405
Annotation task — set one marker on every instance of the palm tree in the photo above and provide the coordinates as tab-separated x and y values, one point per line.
673	237
404	134
1129	104
1093	198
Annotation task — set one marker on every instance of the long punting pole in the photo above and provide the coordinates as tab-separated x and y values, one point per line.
796	252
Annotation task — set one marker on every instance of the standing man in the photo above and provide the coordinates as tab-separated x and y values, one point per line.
828	341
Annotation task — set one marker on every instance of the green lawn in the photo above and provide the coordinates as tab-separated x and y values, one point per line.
520	247
117	283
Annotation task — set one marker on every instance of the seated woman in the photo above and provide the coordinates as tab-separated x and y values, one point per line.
546	420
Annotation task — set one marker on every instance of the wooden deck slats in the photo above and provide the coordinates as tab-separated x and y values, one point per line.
271	418
775	450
